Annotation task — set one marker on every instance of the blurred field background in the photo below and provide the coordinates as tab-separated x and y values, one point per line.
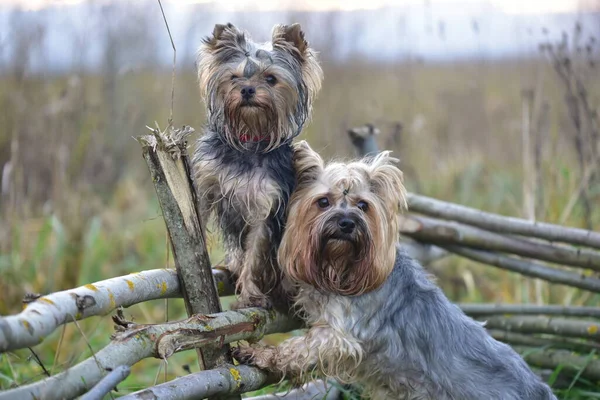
77	204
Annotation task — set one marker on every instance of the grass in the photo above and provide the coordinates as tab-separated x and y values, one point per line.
81	207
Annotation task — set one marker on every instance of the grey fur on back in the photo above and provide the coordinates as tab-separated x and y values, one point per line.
414	337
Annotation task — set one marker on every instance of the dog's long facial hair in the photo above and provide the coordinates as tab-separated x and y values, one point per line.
258	94
258	98
342	223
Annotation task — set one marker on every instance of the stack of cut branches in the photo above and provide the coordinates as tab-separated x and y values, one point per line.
558	333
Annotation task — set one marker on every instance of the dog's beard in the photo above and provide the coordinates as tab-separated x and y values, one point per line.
255	125
341	263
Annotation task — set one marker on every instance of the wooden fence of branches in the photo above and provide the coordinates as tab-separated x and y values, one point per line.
565	337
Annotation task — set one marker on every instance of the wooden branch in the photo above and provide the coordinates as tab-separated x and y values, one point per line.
363	139
528	268
444	232
502	224
423	252
203	384
41	317
551	342
478	310
311	391
569	362
553	326
165	153
108	383
136	342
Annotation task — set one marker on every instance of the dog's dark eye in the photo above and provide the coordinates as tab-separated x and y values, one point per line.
271	80
233	77
323	203
363	206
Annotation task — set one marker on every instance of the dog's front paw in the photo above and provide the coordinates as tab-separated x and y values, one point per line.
243	354
260	356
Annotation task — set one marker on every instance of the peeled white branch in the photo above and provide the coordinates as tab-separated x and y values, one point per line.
161	340
498	223
43	316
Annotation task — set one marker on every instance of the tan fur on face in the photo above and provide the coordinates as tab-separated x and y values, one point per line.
377	182
277	111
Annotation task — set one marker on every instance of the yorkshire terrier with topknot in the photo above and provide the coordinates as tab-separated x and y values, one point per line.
375	317
258	98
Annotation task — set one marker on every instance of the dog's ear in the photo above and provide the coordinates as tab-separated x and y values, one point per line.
227	33
387	181
308	164
290	38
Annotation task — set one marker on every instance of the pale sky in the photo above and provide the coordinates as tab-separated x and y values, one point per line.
508	6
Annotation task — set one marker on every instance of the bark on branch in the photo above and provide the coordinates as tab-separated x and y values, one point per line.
478	310
41	317
553	326
502	224
165	153
528	268
136	342
311	391
203	384
437	231
570	363
108	383
550	342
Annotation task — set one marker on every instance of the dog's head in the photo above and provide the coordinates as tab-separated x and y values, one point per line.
342	224
258	95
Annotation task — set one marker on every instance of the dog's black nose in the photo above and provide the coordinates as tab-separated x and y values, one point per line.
248	92
346	225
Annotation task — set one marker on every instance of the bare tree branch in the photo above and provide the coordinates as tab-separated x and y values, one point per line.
47	313
423	252
553	326
502	224
570	363
136	342
311	391
166	156
535	341
528	268
108	383
444	232
478	310
203	384
43	316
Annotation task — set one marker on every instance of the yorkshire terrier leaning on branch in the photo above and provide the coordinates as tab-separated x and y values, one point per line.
375	317
258	97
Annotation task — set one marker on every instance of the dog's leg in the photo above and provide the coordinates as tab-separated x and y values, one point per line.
256	265
323	350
